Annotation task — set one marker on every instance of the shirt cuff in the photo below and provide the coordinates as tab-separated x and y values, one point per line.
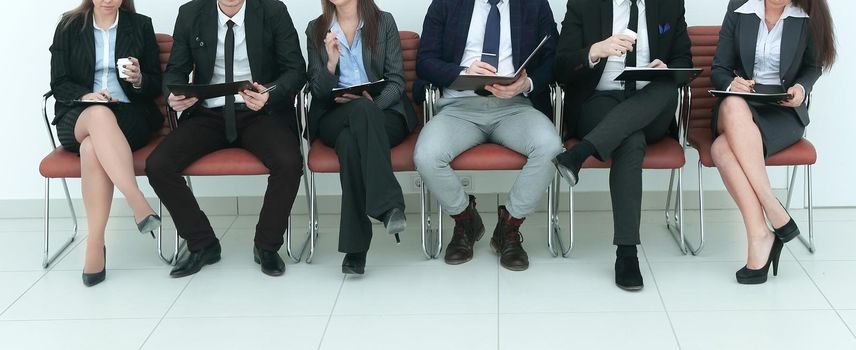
531	87
805	94
592	64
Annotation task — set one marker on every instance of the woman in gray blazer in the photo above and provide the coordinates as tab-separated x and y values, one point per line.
354	43
765	46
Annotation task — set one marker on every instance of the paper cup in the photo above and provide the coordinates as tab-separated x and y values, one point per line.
630	33
120	63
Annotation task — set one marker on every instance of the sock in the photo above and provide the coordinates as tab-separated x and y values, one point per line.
626	251
578	154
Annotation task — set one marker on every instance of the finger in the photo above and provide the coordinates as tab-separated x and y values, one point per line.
351	96
259	87
342	100
485	66
367	96
134	60
492	89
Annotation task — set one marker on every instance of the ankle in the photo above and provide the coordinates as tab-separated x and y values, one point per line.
626	251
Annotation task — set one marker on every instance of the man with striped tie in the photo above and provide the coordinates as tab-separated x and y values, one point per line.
488	37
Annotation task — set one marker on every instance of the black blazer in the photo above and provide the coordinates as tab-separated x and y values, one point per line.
444	39
73	61
273	48
736	52
588	22
386	63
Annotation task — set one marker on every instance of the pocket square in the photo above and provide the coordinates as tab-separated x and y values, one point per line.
664	28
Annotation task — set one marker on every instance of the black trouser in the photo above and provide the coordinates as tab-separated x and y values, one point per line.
267	137
621	127
363	135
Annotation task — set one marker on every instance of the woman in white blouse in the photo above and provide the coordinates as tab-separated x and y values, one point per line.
765	46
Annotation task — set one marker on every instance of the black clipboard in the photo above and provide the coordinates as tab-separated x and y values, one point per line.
374	88
82	102
206	91
680	76
467	82
754	96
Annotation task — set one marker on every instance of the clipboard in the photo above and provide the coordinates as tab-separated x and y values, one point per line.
206	91
84	102
374	88
754	96
680	76
466	82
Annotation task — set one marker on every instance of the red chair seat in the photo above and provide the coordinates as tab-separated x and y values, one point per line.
489	156
323	159
665	154
227	162
64	164
800	153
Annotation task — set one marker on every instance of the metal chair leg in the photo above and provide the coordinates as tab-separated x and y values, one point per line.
313	222
438	244
49	258
697	250
289	238
809	243
566	252
676	227
791	184
425	216
551	217
178	245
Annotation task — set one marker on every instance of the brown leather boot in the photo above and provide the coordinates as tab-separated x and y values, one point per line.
507	241
469	228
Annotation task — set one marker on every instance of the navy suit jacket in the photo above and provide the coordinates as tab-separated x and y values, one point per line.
444	39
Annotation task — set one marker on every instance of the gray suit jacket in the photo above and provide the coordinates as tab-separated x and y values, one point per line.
736	52
386	63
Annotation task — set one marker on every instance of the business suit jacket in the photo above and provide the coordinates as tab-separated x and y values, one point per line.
273	48
588	22
385	63
736	52
73	61
444	39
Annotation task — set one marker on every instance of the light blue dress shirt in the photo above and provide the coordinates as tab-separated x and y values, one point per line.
106	75
352	71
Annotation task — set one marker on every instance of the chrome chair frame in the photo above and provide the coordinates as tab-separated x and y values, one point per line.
673	215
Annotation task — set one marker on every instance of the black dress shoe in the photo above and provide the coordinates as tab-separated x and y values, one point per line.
149	224
627	274
568	168
395	222
749	276
196	260
789	231
91	279
354	263
271	262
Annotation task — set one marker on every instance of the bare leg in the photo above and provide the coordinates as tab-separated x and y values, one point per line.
744	138
759	236
97	197
98	124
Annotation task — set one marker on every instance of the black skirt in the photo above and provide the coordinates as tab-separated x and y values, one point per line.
780	126
137	122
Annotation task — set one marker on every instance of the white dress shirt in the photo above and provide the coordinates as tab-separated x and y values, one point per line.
768	49
615	64
241	67
475	43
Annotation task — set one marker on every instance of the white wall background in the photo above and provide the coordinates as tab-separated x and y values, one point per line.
25	64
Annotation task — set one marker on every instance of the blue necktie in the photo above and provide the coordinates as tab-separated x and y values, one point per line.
491	36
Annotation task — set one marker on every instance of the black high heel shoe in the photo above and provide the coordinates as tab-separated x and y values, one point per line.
149	224
749	276
91	279
789	231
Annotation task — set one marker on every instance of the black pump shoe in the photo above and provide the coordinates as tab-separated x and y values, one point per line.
789	231
749	276
149	224
354	263
91	279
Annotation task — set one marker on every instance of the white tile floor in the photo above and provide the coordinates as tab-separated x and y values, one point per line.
407	302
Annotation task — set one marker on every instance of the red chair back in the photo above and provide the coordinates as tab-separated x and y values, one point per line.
164	48
704	40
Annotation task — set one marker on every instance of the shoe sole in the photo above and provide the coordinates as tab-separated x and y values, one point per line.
565	173
351	271
507	267
752	281
209	262
630	288
457	262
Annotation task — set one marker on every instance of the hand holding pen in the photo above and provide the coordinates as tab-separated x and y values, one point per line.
741	85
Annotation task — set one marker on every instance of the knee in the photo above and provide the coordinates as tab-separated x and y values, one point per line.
158	165
547	147
99	115
720	151
428	156
288	164
86	148
733	110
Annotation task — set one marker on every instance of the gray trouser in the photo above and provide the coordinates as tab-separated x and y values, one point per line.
463	123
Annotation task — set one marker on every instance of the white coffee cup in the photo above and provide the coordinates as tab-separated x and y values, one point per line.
120	64
630	33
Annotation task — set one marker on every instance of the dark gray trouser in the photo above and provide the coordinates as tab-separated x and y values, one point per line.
621	128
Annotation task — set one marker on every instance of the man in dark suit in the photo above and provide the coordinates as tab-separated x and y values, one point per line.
613	119
489	37
224	41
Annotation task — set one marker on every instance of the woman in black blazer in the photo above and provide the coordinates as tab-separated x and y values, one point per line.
86	46
765	46
352	43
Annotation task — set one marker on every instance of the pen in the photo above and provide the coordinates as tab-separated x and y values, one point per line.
736	75
268	89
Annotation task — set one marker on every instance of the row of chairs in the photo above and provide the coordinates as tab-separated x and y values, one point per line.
693	115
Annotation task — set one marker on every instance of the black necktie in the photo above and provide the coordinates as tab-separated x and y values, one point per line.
229	107
490	50
630	61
